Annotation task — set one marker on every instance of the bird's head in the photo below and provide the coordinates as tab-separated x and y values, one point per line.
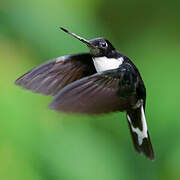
98	47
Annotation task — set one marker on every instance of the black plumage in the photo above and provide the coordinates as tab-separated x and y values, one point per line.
98	82
55	74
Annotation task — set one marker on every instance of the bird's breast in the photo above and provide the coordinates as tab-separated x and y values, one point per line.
104	63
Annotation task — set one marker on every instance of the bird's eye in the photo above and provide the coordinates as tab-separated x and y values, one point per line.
104	44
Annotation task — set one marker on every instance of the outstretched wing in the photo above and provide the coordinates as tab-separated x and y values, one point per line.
55	74
104	92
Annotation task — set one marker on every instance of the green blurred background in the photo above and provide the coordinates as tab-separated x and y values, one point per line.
40	144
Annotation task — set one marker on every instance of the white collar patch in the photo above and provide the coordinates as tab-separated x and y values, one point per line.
104	63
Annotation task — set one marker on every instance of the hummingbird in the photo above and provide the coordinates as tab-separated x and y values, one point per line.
101	81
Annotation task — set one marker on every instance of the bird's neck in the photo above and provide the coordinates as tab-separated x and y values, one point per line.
104	63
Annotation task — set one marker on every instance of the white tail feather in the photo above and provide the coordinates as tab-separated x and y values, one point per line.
140	133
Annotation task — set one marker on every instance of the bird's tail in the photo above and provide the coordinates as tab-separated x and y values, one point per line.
139	132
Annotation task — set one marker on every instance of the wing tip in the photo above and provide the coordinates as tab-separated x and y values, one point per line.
18	81
53	106
22	80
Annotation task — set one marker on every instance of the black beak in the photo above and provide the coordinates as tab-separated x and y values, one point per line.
78	37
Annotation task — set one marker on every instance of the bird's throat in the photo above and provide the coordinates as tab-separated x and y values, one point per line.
103	63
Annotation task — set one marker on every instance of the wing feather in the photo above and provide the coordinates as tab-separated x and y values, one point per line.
53	75
96	94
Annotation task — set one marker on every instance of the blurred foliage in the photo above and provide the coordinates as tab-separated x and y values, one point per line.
39	144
